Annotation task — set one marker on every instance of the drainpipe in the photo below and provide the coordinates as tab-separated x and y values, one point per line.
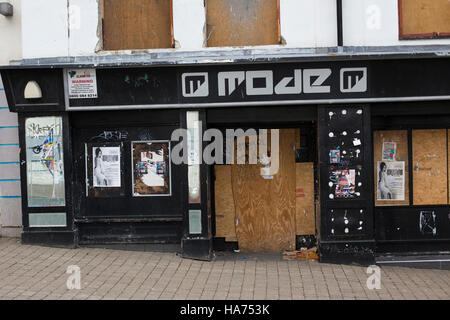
340	41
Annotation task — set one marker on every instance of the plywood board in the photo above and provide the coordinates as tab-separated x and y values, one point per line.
448	164
224	203
400	138
424	17
265	208
305	219
137	24
429	166
242	23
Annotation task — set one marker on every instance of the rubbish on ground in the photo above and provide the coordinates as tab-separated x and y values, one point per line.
302	254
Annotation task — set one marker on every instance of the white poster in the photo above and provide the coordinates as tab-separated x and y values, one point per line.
82	83
391	180
106	167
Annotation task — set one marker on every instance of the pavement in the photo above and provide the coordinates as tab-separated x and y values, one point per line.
29	272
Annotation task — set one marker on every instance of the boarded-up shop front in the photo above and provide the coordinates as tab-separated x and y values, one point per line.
264	212
363	154
411	192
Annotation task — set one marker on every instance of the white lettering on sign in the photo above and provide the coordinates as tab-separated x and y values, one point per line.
263	83
230	81
283	88
313	80
257	90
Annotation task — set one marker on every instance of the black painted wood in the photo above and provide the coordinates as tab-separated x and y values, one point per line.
49	80
121	216
347	220
397	228
48	235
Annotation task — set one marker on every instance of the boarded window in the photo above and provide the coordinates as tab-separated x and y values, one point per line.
390	151
305	217
429	149
242	23
137	24
424	18
448	163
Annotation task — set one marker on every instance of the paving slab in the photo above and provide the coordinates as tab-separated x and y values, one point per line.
41	273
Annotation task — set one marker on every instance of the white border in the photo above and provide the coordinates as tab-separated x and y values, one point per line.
256	103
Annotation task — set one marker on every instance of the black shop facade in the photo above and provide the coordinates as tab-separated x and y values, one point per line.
114	154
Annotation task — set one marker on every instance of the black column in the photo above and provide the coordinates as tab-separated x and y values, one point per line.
346	186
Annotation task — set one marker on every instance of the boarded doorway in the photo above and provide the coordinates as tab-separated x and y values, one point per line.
266	214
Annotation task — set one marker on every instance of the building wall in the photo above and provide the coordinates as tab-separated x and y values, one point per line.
45	28
375	23
84	32
10	200
189	24
53	28
308	24
10	35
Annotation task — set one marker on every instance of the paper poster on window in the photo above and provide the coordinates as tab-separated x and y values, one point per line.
151	168
391	180
389	150
82	83
344	182
106	167
45	165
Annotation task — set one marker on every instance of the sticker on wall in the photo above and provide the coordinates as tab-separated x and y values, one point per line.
344	182
106	167
391	180
389	150
335	156
356	142
427	223
82	83
151	168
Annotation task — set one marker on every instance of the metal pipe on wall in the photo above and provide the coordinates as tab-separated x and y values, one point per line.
340	40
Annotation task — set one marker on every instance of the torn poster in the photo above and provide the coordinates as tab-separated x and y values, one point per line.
344	182
151	174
